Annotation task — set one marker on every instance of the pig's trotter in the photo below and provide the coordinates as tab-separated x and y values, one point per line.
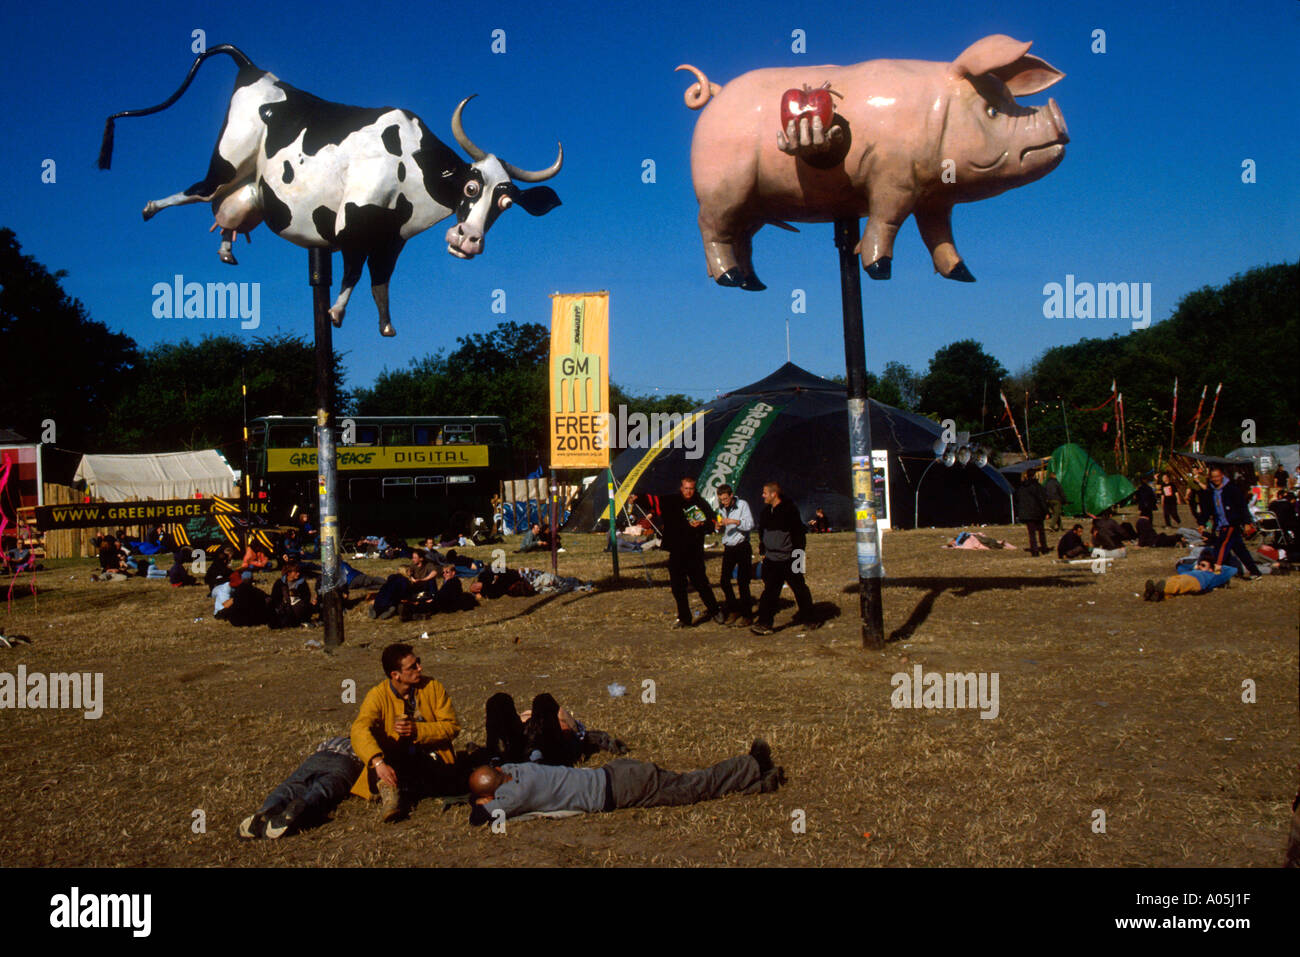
731	277
752	283
880	269
960	273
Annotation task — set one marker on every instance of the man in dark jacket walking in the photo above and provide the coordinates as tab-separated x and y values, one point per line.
1226	505
1055	496
687	518
1145	499
1031	508
782	536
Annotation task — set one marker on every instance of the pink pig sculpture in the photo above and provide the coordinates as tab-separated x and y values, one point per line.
909	137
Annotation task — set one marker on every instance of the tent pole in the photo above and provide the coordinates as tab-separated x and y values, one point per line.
331	598
864	493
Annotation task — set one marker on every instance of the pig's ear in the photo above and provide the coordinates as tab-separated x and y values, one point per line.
987	55
1028	75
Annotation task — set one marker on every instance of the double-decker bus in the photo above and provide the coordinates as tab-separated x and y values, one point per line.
407	476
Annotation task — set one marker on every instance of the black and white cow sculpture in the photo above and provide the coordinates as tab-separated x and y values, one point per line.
362	181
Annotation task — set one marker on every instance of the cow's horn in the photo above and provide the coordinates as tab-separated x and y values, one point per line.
458	131
535	176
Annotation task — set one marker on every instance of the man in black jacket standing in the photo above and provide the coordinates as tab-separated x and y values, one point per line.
781	540
1055	496
687	518
1226	505
1031	508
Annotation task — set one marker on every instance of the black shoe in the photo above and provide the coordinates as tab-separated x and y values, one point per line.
720	617
701	618
762	629
681	623
761	752
1149	593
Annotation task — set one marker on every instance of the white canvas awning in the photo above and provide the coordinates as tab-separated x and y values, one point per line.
122	478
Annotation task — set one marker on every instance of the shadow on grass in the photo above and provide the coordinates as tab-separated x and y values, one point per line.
960	588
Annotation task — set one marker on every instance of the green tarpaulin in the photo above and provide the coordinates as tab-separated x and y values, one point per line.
1088	489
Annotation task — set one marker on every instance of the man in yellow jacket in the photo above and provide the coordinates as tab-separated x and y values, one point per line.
403	734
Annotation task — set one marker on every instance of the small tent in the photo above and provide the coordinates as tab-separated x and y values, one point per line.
792	428
1088	489
123	478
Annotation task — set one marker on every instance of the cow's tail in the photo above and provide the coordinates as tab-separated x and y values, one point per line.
702	91
236	54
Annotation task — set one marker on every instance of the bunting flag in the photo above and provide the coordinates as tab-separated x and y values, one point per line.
1205	439
1007	405
1196	422
1173	416
1123	428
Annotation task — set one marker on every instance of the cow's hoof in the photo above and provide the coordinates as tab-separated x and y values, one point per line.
226	256
960	273
731	277
148	211
386	329
752	283
881	268
336	317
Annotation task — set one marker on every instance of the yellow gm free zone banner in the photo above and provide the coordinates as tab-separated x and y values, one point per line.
385	457
580	410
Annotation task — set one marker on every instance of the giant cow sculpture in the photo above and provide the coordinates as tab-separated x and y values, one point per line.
907	137
362	181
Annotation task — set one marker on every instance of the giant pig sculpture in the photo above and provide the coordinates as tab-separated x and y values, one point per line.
911	137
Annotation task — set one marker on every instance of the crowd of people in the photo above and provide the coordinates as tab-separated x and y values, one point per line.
1222	510
401	749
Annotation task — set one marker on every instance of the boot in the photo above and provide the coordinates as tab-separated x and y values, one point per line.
390	803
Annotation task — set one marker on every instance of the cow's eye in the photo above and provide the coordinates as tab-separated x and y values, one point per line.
471	188
505	202
991	111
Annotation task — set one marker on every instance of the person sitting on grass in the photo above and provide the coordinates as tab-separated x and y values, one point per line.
1107	537
255	559
178	575
248	605
218	567
1071	544
356	579
520	789
308	794
532	540
546	733
819	522
1204	577
291	602
403	735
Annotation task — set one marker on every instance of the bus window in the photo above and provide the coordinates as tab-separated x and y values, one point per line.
397	435
364	490
426	434
398	489
459	434
293	437
367	435
460	480
491	434
427	486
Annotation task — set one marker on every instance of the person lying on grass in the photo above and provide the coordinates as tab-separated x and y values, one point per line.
308	795
515	790
1206	576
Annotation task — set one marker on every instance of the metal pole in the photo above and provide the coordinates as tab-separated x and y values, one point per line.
864	494
613	516
331	598
555	555
916	517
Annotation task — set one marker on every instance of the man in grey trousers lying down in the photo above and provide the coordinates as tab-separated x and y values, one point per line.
519	789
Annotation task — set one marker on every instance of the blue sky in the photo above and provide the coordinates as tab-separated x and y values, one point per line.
1150	189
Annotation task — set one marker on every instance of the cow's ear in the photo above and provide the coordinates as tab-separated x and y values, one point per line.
538	201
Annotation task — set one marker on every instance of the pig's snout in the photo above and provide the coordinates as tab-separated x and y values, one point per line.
1058	119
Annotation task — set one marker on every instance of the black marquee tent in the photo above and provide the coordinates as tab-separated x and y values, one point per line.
792	428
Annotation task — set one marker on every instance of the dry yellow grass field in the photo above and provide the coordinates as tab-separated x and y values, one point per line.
1106	703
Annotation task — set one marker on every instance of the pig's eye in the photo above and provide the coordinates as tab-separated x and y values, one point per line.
991	111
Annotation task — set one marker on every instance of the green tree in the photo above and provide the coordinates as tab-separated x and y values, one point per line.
961	378
186	395
75	367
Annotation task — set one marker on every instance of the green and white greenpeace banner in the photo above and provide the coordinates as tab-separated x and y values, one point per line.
732	451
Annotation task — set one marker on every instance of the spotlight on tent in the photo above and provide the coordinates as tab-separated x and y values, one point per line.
963	455
949	457
981	457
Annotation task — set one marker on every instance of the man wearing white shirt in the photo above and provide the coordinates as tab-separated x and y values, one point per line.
735	520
